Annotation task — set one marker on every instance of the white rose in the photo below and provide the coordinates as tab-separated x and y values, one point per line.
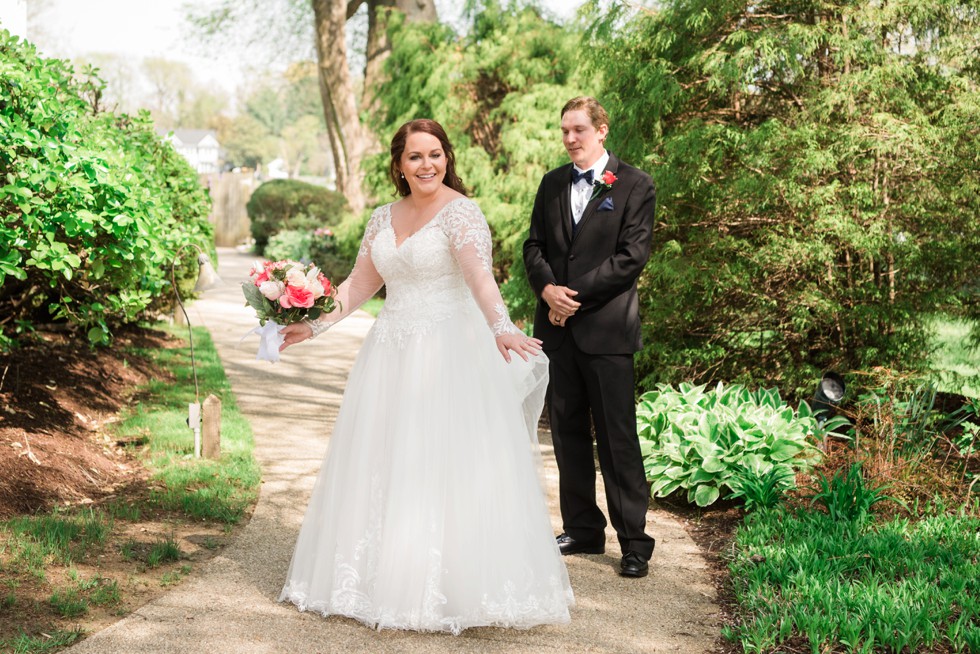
295	277
272	289
315	287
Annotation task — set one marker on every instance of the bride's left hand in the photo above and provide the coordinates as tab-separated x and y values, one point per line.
519	343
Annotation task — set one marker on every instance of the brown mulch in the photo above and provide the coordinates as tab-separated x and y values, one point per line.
57	397
58	400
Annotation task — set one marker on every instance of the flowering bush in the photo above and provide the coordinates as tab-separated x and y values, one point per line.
287	291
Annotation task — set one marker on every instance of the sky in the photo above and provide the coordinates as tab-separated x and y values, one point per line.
138	29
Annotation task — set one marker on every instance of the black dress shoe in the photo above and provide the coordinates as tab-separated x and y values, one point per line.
568	545
633	565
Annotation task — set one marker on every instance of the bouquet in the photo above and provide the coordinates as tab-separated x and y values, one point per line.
283	293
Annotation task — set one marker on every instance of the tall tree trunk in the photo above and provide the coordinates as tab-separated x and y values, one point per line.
347	137
349	140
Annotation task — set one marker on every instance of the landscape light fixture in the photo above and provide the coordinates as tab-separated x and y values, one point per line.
206	278
829	393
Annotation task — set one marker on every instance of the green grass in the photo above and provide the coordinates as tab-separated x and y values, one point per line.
220	490
165	551
956	365
807	582
68	603
28	644
59	537
373	306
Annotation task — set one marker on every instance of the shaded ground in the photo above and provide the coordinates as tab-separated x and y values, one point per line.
58	452
57	397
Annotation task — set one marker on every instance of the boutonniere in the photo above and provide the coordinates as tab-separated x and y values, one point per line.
603	184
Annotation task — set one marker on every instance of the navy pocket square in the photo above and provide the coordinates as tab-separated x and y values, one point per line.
606	205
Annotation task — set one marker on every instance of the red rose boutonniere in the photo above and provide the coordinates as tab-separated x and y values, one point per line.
604	183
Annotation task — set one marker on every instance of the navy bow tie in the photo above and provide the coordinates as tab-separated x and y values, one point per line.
588	176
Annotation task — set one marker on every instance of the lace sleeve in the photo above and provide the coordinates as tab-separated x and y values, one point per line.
469	236
362	283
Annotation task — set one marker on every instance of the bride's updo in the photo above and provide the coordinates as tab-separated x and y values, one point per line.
428	126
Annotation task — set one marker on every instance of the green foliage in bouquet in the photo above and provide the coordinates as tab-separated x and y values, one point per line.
728	440
93	206
290	204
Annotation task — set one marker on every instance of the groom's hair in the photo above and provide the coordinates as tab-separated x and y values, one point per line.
590	106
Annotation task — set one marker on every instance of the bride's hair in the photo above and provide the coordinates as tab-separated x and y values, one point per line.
428	126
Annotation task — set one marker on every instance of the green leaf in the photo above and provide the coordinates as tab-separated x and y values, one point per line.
254	298
713	464
783	450
97	335
705	495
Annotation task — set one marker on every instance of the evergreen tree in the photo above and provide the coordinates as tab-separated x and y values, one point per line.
816	163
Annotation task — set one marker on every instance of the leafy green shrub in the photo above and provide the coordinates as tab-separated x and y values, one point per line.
766	144
710	442
289	244
332	255
282	204
93	206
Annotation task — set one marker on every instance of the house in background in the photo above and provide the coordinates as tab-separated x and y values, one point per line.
199	146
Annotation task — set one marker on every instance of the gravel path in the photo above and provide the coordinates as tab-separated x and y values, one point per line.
229	606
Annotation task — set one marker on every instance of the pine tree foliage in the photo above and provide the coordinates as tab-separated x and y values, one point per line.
816	164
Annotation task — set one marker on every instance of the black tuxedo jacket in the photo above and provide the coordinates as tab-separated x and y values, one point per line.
602	261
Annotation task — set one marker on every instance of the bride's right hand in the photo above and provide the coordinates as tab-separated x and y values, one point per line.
295	333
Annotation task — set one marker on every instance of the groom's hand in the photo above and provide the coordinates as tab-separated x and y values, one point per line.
561	300
555	319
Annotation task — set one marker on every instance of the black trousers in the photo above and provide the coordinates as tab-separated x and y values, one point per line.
587	390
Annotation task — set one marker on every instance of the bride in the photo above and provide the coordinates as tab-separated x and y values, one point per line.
428	513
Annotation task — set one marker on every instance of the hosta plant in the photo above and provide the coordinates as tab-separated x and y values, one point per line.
712	442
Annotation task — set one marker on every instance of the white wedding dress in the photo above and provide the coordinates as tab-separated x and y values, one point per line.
428	513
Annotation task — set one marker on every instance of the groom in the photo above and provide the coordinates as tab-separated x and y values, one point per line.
590	235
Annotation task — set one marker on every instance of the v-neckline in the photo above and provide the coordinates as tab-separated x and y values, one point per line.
398	246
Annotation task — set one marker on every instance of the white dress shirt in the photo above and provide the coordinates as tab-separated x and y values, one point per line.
582	191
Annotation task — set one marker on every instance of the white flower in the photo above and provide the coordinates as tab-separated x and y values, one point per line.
314	286
272	289
257	268
295	277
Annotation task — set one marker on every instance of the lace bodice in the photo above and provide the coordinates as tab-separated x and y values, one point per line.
434	274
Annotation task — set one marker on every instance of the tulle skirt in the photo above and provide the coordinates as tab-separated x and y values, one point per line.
428	513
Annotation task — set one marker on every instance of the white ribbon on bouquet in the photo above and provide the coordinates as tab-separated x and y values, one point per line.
269	341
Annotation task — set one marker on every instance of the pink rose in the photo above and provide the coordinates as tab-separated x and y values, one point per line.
296	296
259	272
